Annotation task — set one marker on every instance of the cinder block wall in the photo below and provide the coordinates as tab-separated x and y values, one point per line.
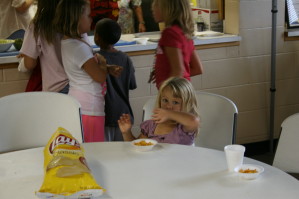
12	81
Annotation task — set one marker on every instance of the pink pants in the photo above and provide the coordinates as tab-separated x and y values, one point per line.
94	128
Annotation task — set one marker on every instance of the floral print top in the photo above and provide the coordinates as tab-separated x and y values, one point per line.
126	15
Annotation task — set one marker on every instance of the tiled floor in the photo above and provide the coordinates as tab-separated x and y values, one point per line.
266	158
260	151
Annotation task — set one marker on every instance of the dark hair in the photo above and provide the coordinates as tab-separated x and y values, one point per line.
67	17
108	30
42	20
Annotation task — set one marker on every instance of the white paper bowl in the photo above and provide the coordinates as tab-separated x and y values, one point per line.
142	41
249	176
5	44
143	148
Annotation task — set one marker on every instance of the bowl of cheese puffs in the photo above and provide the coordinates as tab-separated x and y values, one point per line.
143	144
249	171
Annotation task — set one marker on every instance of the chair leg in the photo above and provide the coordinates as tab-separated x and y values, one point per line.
82	131
143	113
235	129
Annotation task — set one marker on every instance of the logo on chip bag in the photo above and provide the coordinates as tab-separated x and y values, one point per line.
63	140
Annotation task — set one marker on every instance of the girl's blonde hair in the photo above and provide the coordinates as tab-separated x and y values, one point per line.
181	88
42	20
177	12
67	17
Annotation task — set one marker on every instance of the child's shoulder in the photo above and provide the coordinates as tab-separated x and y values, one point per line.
117	57
173	30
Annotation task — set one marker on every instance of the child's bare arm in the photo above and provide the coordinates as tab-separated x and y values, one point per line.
25	6
195	64
175	58
125	126
188	120
29	62
96	71
114	70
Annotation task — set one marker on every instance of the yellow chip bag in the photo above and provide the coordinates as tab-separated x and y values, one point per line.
67	175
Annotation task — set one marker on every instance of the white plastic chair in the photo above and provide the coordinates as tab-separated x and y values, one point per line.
148	108
28	120
286	156
218	116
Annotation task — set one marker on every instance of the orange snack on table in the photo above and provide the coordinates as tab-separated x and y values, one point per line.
66	172
143	143
248	171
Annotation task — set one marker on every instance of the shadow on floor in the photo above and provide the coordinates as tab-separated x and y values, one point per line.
266	157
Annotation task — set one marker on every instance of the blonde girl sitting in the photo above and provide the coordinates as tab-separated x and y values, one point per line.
175	120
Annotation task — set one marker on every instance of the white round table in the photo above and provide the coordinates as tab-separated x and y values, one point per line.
168	172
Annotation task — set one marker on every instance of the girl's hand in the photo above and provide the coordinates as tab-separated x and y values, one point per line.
100	59
114	70
124	123
160	115
141	27
20	55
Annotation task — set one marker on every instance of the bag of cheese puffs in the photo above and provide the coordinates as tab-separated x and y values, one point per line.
67	175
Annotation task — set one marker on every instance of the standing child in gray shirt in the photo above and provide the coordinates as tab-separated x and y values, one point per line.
107	33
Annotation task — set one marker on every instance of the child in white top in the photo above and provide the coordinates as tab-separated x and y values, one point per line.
87	74
42	44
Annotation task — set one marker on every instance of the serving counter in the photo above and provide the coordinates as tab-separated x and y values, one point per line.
202	40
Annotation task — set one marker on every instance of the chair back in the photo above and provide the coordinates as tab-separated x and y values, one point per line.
286	156
218	116
148	108
29	119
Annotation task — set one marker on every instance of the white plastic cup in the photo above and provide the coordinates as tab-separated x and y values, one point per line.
141	41
234	156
